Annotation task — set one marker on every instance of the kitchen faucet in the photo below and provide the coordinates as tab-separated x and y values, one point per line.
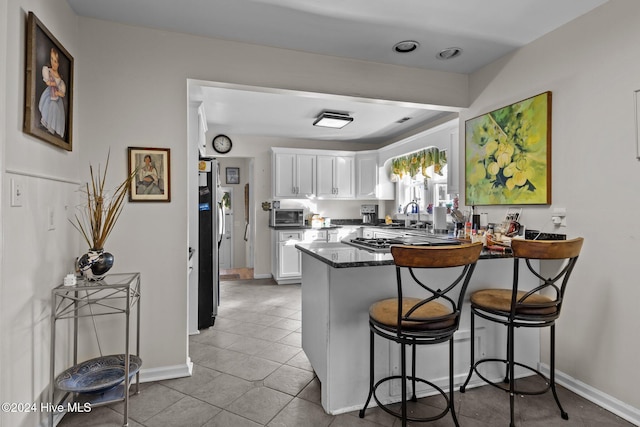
413	202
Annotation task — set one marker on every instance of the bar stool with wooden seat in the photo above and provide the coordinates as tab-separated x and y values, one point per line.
536	308
430	319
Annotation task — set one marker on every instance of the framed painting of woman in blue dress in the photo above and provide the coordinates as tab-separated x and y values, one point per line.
48	110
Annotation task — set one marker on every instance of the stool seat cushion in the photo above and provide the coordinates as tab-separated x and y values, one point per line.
385	312
500	300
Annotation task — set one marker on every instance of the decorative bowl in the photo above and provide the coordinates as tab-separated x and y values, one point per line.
97	375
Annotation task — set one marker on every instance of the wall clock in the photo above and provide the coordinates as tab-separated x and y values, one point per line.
222	144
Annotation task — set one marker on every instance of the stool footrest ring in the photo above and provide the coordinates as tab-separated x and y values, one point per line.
505	382
385	407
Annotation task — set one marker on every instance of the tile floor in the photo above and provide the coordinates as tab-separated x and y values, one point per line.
249	370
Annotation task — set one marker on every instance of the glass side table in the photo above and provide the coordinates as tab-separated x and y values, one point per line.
116	294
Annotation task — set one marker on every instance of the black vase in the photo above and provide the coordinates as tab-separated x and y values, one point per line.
95	264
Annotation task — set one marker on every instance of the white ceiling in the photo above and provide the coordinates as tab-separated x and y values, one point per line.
363	29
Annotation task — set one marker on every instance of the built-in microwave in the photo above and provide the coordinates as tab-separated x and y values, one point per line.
286	218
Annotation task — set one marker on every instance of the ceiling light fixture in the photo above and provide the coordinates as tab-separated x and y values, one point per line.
406	46
448	53
331	119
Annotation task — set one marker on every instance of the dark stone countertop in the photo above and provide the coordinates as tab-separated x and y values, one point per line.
341	255
303	227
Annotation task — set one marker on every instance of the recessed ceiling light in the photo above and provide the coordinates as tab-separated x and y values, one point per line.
406	46
448	53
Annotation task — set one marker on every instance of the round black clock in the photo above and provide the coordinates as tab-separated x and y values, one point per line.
222	144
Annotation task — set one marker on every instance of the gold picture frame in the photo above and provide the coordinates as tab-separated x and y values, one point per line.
508	154
48	101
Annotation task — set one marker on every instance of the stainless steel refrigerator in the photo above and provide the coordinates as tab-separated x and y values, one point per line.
210	232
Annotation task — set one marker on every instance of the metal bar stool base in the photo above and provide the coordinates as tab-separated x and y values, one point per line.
385	407
503	385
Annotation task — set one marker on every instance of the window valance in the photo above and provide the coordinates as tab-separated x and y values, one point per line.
418	162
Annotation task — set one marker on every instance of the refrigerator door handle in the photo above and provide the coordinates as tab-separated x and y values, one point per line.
221	223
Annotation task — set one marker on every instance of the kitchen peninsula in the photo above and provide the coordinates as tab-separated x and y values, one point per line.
340	282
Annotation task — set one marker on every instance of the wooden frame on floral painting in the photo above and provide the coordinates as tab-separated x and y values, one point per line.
508	154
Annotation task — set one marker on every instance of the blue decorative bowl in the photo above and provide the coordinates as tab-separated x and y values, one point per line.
97	375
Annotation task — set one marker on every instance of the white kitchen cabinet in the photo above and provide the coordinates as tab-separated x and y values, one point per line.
286	263
372	180
289	260
367	233
335	176
294	175
386	234
366	175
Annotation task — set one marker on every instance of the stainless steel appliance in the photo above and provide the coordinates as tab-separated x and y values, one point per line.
383	244
211	228
286	218
369	214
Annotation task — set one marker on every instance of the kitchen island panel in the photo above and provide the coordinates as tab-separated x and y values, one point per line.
335	332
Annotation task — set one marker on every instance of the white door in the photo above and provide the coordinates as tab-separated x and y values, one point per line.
226	245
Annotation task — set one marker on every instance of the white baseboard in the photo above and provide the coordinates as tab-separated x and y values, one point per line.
262	276
167	372
596	396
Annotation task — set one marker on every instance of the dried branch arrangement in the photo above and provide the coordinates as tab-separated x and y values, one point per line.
102	210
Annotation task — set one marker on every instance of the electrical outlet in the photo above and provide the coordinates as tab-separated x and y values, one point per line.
17	192
559	217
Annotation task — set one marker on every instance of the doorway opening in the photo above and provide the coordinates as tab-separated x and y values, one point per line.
236	248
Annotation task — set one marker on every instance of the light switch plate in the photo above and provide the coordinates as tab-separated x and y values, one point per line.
17	192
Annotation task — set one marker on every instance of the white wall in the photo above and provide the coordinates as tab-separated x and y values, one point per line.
33	258
592	67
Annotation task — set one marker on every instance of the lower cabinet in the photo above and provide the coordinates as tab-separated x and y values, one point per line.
289	261
286	262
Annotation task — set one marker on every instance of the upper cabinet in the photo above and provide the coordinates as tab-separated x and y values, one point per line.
372	181
336	176
453	160
293	175
307	173
367	175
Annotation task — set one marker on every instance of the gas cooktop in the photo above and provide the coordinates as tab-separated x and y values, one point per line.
383	244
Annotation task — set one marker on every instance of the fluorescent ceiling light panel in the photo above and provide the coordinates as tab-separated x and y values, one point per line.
333	120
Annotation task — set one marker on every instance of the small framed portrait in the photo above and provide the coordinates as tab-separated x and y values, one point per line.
48	102
233	175
152	180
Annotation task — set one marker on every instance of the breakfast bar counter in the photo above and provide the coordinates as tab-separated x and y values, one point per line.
340	282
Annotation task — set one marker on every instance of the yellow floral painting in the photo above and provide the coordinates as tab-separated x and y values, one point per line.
508	154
